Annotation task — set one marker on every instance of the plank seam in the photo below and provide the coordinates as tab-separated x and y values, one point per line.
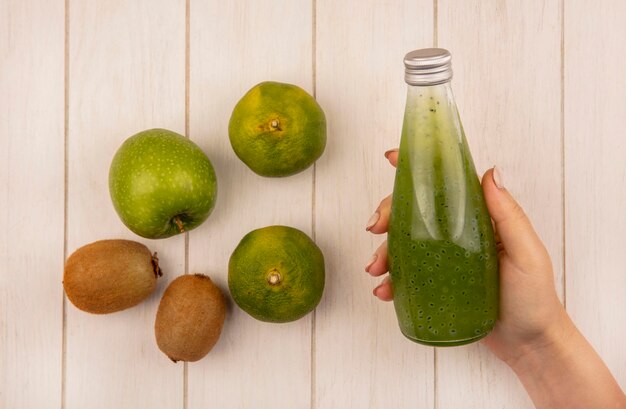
187	68
563	185
187	102
435	22
435	375
313	204
66	95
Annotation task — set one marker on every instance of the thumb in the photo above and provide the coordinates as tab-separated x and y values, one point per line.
519	239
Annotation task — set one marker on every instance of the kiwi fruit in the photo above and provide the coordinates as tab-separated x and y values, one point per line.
110	275
190	318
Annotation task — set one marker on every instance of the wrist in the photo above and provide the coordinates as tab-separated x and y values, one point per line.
560	369
550	345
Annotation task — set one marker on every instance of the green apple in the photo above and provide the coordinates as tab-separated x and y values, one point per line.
161	184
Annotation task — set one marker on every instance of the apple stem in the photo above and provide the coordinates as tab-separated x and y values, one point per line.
179	223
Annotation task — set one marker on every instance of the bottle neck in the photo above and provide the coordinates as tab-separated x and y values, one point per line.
431	98
432	106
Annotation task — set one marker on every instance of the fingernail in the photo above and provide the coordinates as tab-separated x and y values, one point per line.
497	178
385	281
372	221
370	262
389	152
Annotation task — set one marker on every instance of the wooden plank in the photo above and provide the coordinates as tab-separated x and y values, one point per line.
31	202
127	74
595	91
508	87
234	46
361	358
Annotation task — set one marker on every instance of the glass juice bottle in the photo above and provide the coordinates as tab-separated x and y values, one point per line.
442	254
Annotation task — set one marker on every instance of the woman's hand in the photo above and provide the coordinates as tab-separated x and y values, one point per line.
529	307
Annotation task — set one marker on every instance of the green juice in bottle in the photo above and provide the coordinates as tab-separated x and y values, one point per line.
442	254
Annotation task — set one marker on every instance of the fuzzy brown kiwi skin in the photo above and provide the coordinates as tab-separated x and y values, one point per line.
190	318
110	275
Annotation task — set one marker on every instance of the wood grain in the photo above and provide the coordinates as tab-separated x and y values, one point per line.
362	359
506	60
234	46
127	74
31	202
128	71
595	175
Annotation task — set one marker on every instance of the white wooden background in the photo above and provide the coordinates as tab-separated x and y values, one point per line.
541	88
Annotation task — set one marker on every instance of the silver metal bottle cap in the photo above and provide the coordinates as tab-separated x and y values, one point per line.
428	66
